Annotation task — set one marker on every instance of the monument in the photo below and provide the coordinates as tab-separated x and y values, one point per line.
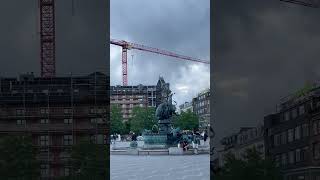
166	136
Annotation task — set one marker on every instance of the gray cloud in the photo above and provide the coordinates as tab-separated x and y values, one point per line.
274	45
178	26
80	39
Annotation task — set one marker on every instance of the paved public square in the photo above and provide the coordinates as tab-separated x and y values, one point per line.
124	167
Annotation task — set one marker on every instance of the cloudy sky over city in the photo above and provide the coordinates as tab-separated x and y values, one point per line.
264	50
80	37
179	26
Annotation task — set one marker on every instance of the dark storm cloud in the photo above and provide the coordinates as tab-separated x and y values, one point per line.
271	44
80	38
178	26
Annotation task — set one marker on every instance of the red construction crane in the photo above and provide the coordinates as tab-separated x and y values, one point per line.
309	3
47	38
128	45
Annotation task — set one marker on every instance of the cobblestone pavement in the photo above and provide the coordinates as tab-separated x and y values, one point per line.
124	167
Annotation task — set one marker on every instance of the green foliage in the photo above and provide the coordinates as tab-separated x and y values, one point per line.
186	121
142	118
126	129
18	158
90	161
305	90
117	125
251	167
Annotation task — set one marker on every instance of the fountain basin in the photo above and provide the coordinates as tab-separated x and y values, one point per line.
154	141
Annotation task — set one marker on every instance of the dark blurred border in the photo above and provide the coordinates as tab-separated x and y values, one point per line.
213	18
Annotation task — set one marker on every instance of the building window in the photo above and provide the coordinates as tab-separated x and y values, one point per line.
67	140
100	139
284	137
44	169
305	130
291	157
304	153
294	113
290	135
20	112
316	150
100	120
92	110
44	121
67	111
44	111
97	120
284	159
67	121
100	111
315	127
301	110
105	139
93	120
277	139
66	171
287	116
277	160
44	140
93	139
297	133
298	155
21	122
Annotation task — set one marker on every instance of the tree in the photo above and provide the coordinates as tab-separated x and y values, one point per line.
186	121
117	126
90	161
142	118
251	167
18	158
126	129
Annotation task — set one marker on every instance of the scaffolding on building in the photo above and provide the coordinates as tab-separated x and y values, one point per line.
45	101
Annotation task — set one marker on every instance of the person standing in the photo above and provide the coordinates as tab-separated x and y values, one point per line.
205	136
114	138
134	137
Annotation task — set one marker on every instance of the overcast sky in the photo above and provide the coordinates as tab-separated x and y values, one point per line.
181	26
264	50
80	39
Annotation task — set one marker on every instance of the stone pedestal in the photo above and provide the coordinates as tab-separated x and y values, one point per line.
175	151
132	151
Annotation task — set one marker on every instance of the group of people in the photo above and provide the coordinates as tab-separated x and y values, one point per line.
114	137
188	138
194	138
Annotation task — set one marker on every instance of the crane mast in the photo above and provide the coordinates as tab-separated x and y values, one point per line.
47	38
128	45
